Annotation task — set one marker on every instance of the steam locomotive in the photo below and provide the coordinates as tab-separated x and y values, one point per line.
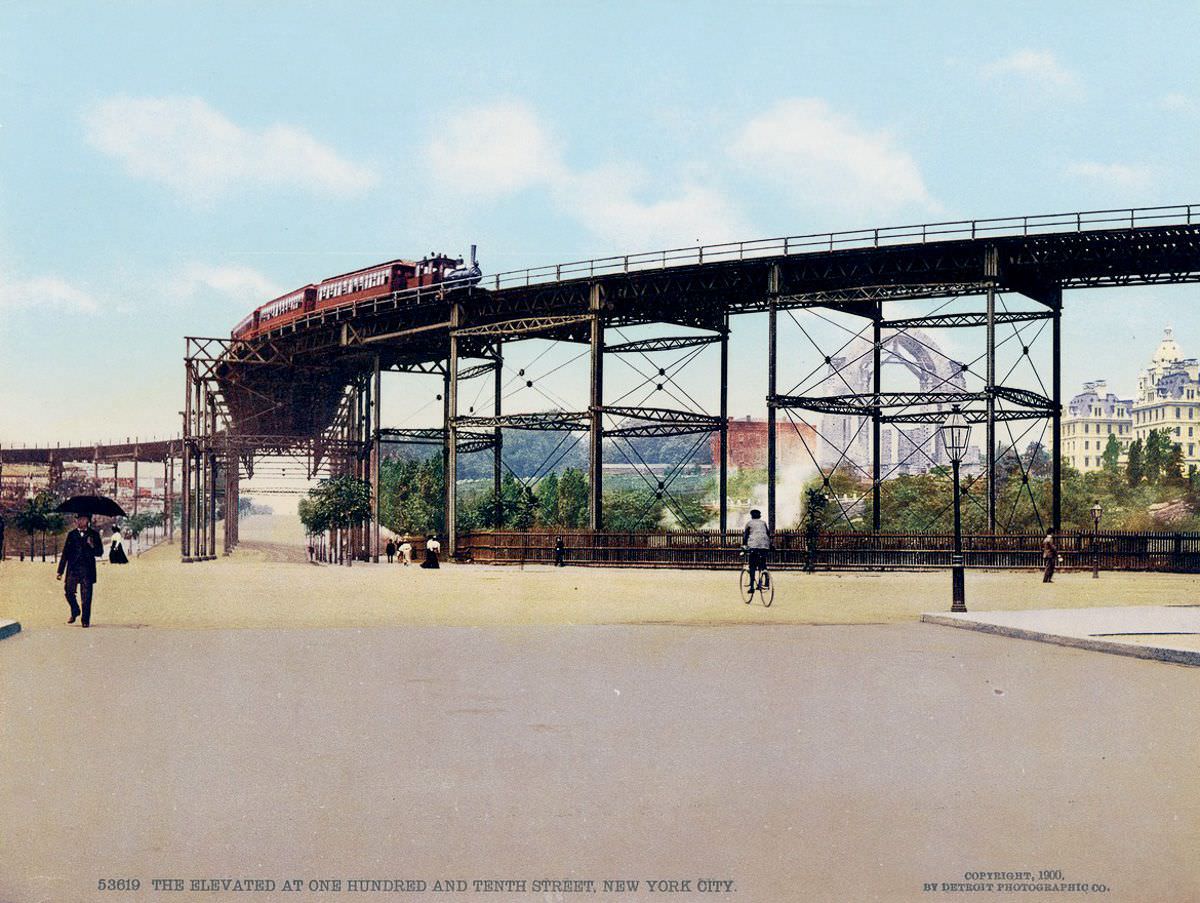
367	284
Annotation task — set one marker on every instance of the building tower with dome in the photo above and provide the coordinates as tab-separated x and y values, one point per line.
1168	398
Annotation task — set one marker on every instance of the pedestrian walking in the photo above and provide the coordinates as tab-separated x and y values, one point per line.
559	552
406	551
78	562
116	548
1049	556
312	552
390	549
432	548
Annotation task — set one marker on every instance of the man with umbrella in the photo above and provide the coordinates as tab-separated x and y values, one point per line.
80	551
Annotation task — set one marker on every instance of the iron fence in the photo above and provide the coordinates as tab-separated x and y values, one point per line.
1112	549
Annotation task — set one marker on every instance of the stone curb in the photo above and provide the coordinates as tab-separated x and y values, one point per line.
1157	653
9	628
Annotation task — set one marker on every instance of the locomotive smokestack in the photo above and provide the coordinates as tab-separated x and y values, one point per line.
473	255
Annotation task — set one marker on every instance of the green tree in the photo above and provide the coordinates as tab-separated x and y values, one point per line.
520	505
572	499
338	503
1133	463
412	494
631	509
39	517
547	497
1173	470
136	523
1112	455
812	521
1154	456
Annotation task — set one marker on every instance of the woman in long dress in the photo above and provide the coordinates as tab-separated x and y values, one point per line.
432	547
116	548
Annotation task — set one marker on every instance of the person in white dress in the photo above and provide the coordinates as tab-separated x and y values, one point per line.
432	548
116	548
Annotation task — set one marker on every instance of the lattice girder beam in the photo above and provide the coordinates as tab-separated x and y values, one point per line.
670	343
527	327
554	421
869	403
964	320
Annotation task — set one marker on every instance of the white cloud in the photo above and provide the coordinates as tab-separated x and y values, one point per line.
1177	103
240	286
1113	176
1036	69
503	148
494	150
195	150
827	159
607	201
44	292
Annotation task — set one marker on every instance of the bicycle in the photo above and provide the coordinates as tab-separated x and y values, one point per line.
764	586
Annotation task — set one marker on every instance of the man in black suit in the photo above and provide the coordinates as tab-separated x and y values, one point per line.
78	559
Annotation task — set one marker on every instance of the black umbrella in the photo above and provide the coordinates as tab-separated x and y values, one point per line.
92	504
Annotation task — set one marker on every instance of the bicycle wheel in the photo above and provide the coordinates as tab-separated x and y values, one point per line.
767	592
744	585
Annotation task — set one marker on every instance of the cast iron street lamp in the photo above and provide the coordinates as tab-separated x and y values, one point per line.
955	432
1097	510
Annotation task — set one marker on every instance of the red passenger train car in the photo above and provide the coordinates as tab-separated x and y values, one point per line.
367	284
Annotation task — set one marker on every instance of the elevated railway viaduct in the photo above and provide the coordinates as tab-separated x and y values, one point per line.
309	390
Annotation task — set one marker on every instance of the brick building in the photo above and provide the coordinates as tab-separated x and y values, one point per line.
794	443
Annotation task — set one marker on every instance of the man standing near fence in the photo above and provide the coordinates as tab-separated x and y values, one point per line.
1049	556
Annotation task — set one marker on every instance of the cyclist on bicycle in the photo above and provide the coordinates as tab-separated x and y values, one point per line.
756	542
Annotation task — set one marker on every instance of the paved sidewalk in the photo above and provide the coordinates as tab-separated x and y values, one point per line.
1169	633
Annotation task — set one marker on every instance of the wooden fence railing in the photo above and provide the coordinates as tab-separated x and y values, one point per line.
1114	549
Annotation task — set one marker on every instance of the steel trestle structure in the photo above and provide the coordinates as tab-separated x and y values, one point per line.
309	392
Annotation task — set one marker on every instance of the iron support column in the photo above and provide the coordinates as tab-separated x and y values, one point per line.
201	450
168	521
185	490
230	511
212	504
595	408
136	453
452	416
1056	419
497	439
213	476
446	446
876	425
990	267
376	459
772	347
723	464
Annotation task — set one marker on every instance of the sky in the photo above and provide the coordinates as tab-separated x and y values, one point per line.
167	167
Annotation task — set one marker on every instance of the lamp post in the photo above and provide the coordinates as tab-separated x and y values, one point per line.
955	433
1097	511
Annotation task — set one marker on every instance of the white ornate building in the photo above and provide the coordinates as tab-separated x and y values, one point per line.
1091	417
1168	398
